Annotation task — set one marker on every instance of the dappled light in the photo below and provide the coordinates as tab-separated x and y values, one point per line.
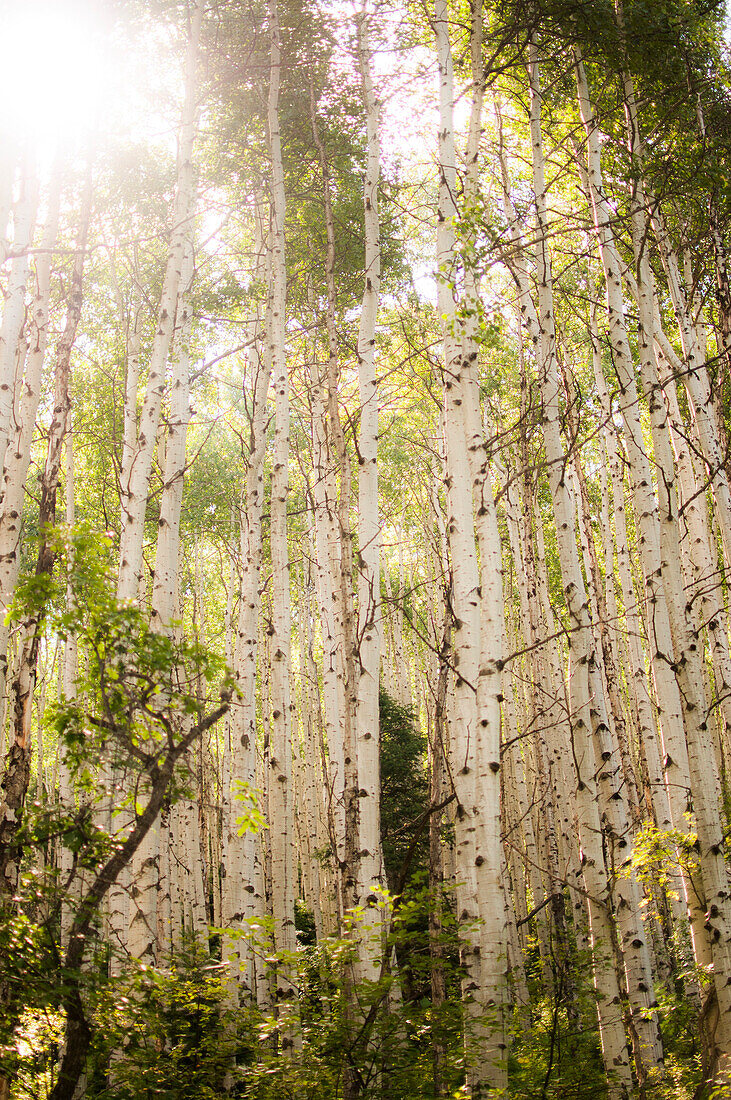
365	536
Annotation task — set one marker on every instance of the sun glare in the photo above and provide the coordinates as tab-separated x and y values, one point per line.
53	79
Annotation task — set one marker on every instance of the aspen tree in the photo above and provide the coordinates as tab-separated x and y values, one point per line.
675	762
688	666
16	776
696	380
183	851
542	714
476	722
316	784
704	595
393	641
168	905
140	450
165	589
637	670
619	766
335	536
370	866
328	586
493	950
308	758
460	530
242	883
133	353
183	844
11	328
18	450
186	850
140	434
266	978
522	829
281	835
402	691
613	1039
643	709
620	813
553	757
438	785
142	935
69	670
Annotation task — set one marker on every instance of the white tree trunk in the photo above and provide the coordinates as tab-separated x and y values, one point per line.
688	666
18	450
476	602
614	1043
69	669
142	935
370	869
11	329
136	479
284	867
652	553
242	888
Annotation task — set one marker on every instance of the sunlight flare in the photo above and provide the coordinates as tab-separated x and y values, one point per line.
53	81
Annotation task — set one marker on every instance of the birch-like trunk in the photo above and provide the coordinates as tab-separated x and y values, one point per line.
16	778
613	1039
688	666
659	587
284	865
142	934
69	671
493	949
140	437
370	867
135	485
335	530
697	381
18	450
11	329
327	588
475	726
242	887
311	836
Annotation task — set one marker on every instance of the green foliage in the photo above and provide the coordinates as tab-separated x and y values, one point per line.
682	1044
404	785
25	949
248	799
166	1028
389	1044
137	705
659	852
556	1052
32	1056
142	687
304	920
